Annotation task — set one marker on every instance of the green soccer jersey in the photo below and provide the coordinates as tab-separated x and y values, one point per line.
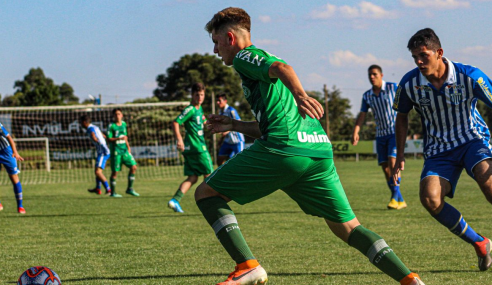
274	107
193	120
115	131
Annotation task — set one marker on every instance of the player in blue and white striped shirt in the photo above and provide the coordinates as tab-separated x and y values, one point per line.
102	151
380	99
445	94
233	142
8	158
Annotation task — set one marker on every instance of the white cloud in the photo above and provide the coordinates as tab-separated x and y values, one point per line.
344	58
436	4
265	19
267	42
477	50
364	10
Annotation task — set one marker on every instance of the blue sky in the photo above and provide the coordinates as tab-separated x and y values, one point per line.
117	48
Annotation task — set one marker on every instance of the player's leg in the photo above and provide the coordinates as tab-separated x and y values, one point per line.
115	168
128	160
439	179
391	164
18	192
224	153
183	188
10	164
319	192
245	178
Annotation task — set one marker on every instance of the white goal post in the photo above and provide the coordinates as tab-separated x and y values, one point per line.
56	147
46	142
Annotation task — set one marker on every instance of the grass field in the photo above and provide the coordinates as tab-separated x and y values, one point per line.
89	239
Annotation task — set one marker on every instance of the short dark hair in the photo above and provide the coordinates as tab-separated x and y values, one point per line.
197	87
85	119
116	110
235	17
425	37
375	66
222	95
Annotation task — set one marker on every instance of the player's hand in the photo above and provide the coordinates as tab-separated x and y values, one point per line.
180	145
17	156
309	106
399	166
218	123
355	139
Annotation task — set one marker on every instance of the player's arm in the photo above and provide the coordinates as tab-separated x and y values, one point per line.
358	123
401	129
93	136
177	135
219	124
110	134
305	104
482	87
15	154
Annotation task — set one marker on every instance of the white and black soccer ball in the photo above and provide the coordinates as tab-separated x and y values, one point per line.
39	275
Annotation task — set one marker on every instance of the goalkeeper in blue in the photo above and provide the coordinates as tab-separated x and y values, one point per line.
445	94
9	157
102	150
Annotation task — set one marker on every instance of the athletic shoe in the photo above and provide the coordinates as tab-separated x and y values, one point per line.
95	190
401	205
21	210
483	249
393	205
174	204
132	192
114	195
1	206
249	276
411	279
108	192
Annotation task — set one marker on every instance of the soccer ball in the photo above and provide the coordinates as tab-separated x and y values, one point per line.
39	275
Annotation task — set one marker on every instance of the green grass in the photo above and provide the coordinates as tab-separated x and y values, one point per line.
89	239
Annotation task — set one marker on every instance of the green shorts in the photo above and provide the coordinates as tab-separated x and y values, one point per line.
198	164
118	159
312	182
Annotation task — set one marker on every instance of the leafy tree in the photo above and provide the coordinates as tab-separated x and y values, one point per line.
175	84
38	90
152	99
340	117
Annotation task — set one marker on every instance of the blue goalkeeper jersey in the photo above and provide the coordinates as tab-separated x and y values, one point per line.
381	105
232	137
101	146
449	115
4	143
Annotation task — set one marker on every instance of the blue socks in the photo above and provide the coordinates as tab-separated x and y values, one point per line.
395	191
18	194
106	185
452	219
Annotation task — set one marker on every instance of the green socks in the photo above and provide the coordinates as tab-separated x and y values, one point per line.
131	178
178	195
223	221
113	185
379	253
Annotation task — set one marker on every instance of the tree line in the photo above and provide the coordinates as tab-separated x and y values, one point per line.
35	89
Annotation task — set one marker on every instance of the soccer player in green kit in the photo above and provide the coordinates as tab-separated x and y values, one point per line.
120	153
194	148
291	153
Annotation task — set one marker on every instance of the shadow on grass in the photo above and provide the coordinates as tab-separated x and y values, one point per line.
175	215
172	276
27	216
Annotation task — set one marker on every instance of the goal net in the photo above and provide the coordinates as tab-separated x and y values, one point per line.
57	149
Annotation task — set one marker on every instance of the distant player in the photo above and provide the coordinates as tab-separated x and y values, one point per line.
120	153
445	94
102	151
380	99
232	142
197	159
291	152
9	157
